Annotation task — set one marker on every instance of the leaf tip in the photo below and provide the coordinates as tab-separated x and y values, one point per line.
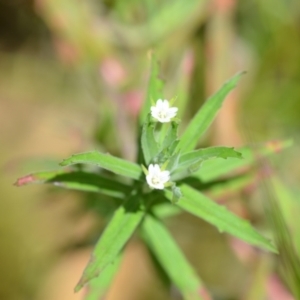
273	248
24	180
237	77
63	163
78	287
239	155
82	281
145	170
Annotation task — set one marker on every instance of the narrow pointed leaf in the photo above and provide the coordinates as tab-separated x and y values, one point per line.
98	287
171	258
191	161
207	153
171	136
206	114
169	155
115	236
173	162
165	210
149	144
106	161
155	88
274	192
226	188
199	205
78	180
213	169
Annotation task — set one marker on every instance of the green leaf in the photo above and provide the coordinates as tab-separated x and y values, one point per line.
213	169
207	153
199	205
106	161
116	234
205	116
285	236
168	146
224	189
191	161
78	180
165	210
171	258
98	287
171	136
154	89
173	162
149	144
168	154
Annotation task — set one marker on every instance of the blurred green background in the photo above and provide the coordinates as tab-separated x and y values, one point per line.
72	78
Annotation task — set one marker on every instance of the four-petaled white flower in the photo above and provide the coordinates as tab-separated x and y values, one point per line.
157	178
163	112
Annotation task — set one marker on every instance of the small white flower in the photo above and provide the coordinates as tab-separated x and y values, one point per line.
157	178
162	112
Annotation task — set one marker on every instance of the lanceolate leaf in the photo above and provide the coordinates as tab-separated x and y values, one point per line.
154	89
106	161
205	116
199	205
190	161
98	287
171	258
216	168
167	154
225	189
116	234
207	153
171	136
173	162
149	144
78	180
166	210
289	259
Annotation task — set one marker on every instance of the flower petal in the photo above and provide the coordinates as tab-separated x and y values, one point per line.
151	169
173	109
164	176
171	116
156	169
159	186
148	178
172	113
156	178
164	120
159	103
165	104
153	109
162	111
155	115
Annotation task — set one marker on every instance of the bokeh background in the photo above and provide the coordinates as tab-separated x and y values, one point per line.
73	75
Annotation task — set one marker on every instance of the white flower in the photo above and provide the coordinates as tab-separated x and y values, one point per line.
156	178
162	112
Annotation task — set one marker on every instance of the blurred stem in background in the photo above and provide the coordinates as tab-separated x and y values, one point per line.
222	59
